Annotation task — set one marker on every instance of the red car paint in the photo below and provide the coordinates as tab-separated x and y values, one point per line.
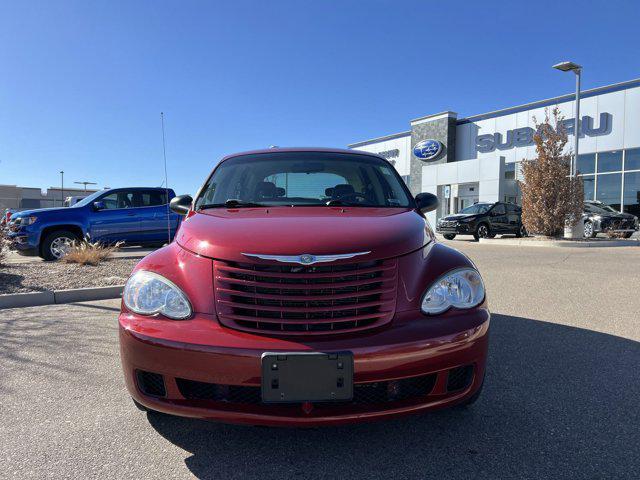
204	349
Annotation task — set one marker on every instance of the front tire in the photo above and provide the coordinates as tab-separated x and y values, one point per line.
482	231
522	232
589	230
449	236
56	244
139	406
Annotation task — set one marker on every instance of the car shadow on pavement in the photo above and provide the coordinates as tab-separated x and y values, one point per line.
558	402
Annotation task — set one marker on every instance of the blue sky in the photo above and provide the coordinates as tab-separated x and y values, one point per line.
83	83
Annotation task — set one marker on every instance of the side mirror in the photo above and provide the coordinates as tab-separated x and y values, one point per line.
99	205
181	204
426	202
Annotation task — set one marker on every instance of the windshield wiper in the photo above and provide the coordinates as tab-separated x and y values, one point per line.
231	203
338	202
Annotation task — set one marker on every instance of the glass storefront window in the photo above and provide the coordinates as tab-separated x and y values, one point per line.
588	184
632	159
632	193
609	189
510	171
609	161
587	163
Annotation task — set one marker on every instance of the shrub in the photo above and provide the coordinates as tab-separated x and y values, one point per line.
549	195
88	253
4	250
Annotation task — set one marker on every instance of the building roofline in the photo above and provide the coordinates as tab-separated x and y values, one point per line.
552	101
614	87
433	116
380	139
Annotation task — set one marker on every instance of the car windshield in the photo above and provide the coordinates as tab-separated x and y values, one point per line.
87	200
477	208
304	178
599	208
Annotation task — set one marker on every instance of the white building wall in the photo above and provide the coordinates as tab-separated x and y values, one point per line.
623	105
402	144
487	168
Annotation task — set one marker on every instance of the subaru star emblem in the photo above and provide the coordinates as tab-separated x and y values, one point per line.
307	259
427	149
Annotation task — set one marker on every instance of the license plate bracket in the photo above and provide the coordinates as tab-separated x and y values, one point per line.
307	377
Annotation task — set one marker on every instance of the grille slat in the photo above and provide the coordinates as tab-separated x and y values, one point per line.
304	309
309	321
304	296
305	300
301	286
321	274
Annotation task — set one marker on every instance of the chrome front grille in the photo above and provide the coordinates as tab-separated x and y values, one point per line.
305	300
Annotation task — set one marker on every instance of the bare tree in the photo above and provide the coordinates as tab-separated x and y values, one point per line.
549	195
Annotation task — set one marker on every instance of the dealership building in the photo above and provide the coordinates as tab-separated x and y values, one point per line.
476	159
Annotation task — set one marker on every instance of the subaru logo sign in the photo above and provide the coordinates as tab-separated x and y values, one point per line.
427	149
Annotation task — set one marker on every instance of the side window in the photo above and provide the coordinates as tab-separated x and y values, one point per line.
117	200
148	198
511	209
499	209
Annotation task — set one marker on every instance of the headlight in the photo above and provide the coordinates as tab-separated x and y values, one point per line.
467	220
24	221
460	289
148	293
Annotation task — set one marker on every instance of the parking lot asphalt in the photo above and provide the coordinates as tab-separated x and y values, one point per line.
560	397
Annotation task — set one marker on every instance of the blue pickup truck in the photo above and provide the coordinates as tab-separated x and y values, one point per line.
136	216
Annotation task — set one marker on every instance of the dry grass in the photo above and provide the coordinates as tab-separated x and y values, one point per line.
87	253
4	249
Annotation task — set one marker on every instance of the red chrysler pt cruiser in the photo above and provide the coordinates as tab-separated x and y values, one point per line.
304	287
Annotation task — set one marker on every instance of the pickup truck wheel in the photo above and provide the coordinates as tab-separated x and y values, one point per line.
56	244
522	232
449	236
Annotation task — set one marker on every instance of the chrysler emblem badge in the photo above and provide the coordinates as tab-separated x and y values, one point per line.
307	259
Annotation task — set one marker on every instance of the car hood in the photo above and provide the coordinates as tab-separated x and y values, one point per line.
459	216
39	211
228	233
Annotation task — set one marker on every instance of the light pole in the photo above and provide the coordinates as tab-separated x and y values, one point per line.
572	226
577	69
61	188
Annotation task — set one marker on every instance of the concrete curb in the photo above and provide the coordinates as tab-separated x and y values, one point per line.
34	299
523	242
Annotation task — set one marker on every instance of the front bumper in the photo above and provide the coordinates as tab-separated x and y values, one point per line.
203	352
22	241
459	229
615	226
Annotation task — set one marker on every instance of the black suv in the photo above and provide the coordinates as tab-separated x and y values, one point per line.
483	220
599	217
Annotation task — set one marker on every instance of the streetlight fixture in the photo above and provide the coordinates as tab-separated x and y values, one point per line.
577	69
85	184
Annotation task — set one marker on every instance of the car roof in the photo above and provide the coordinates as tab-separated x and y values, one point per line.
302	149
135	188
